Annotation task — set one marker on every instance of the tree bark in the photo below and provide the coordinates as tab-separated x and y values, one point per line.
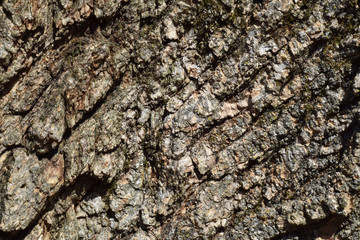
163	119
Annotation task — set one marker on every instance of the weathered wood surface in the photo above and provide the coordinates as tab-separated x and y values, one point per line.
163	119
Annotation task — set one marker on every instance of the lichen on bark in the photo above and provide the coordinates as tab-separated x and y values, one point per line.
163	119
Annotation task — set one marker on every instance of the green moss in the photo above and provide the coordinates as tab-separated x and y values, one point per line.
110	192
127	163
208	17
289	194
353	3
42	117
218	139
308	104
76	48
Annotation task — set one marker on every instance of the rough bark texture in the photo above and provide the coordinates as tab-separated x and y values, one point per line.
163	119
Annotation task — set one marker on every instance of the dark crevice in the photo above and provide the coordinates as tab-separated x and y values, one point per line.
328	169
165	114
49	154
87	115
151	146
11	147
196	170
160	218
348	136
210	177
223	6
234	92
166	41
109	151
53	24
141	224
23	113
255	119
110	214
303	7
36	98
259	1
7	13
324	229
12	81
76	30
5	235
82	186
88	27
148	21
29	35
351	99
151	150
5	173
257	114
207	129
40	48
219	230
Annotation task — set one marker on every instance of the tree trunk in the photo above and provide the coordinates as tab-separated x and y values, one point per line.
163	119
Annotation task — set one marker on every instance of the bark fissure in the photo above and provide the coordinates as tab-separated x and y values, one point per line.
189	119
